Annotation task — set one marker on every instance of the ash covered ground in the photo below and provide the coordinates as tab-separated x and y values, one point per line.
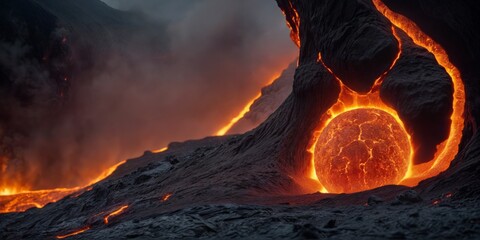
249	185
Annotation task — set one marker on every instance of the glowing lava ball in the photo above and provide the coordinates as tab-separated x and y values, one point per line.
361	149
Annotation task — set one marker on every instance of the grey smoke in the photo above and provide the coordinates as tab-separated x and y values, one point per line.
215	57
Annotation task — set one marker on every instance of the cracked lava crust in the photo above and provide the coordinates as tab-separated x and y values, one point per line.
362	149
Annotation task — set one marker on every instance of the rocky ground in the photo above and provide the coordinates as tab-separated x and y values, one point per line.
391	212
253	185
452	220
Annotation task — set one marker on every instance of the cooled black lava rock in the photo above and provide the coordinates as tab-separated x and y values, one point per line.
233	187
374	200
421	91
356	42
410	196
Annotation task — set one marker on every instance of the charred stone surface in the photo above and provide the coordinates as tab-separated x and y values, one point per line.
356	42
245	186
451	25
314	91
421	91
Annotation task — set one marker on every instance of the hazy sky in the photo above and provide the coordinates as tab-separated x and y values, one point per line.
183	79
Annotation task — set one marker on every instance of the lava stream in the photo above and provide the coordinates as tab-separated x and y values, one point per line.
13	201
115	213
245	109
76	232
447	150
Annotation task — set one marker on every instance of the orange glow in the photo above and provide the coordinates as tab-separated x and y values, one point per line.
73	233
362	149
160	150
22	201
350	100
115	213
106	173
294	29
447	150
166	197
245	110
19	201
239	116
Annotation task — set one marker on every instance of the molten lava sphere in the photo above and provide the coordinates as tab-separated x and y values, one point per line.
361	149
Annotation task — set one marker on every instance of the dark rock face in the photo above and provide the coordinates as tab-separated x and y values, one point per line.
263	167
409	197
355	42
421	92
451	24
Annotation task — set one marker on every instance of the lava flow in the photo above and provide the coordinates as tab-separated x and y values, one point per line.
166	197
352	166
115	213
12	201
447	150
245	110
19	201
76	232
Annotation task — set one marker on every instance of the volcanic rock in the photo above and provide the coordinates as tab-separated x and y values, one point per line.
233	186
421	91
374	200
410	196
355	42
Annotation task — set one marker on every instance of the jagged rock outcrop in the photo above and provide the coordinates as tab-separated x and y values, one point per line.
266	166
421	92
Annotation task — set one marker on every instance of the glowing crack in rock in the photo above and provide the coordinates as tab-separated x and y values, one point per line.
115	213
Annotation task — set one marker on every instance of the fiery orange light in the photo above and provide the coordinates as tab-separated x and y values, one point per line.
160	150
245	110
22	201
166	197
106	173
73	233
295	28
349	100
447	150
239	116
362	149
18	201
115	213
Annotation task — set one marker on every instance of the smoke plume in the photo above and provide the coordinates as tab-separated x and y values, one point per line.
184	79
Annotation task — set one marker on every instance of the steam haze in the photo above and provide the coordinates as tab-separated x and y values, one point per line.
207	60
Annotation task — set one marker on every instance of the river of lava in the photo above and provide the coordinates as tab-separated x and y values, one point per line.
11	201
114	213
447	150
